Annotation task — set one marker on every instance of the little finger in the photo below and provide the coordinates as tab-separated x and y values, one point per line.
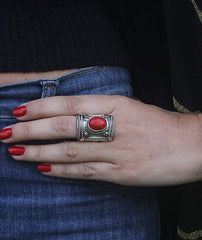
87	171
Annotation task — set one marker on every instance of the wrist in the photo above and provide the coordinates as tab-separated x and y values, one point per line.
193	139
200	120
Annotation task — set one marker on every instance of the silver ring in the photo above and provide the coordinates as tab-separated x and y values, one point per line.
95	128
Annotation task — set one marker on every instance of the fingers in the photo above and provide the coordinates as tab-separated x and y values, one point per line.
65	105
66	152
89	171
48	128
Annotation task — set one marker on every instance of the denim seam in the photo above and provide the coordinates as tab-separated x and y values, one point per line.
79	73
45	90
53	88
65	77
52	84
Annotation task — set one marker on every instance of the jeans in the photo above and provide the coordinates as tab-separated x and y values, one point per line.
38	207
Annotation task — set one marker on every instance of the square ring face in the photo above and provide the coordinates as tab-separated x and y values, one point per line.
95	128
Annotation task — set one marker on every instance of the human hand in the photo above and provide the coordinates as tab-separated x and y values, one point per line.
151	146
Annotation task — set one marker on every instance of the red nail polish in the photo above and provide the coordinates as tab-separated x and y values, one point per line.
19	111
16	151
5	133
44	168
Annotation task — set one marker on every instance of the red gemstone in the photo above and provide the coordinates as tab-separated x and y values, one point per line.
97	123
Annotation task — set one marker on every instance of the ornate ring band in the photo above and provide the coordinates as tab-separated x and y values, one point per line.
95	128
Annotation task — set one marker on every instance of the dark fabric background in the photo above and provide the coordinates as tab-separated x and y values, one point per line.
165	42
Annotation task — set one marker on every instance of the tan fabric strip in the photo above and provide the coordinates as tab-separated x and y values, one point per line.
189	236
198	11
180	108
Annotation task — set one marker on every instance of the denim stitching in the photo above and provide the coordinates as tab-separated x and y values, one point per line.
72	74
65	77
7	116
53	88
50	84
79	73
45	90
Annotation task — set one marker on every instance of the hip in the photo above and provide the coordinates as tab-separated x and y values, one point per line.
35	206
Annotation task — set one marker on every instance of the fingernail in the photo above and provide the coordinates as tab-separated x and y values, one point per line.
16	151
19	111
5	133
44	168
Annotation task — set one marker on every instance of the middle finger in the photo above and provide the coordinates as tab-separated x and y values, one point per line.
48	128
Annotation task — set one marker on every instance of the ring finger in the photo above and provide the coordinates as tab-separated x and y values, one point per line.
66	152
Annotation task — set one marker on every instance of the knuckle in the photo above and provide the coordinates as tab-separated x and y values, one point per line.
62	125
86	170
121	102
66	171
25	129
40	106
70	151
38	152
37	108
72	104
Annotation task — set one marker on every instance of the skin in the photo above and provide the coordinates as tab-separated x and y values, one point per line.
13	77
151	146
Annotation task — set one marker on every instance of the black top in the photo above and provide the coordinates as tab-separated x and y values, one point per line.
44	35
165	39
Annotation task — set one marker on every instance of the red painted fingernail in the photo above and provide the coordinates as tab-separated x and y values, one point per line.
5	133
44	168
16	151
19	111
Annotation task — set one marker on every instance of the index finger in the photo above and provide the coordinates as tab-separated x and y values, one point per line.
65	105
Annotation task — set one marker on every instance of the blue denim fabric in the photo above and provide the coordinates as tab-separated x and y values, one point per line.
34	206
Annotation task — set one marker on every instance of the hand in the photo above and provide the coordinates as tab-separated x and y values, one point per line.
151	146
